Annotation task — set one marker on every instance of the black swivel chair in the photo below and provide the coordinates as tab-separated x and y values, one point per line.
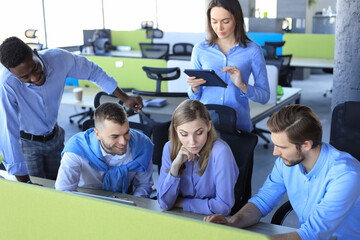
242	145
282	62
154	33
344	136
160	129
155	50
270	48
286	71
31	33
161	74
182	49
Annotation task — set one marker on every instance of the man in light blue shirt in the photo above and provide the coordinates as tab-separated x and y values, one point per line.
320	181
31	88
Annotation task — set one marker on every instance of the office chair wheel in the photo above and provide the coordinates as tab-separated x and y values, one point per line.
71	121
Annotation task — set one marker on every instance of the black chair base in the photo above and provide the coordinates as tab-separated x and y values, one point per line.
89	113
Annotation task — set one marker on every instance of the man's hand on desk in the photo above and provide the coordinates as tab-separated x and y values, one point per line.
217	218
25	179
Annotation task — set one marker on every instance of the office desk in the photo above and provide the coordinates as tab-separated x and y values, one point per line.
264	228
258	111
312	62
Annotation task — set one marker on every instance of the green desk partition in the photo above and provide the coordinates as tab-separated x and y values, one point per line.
33	212
129	38
130	75
309	45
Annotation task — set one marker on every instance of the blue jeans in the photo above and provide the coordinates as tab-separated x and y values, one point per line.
43	158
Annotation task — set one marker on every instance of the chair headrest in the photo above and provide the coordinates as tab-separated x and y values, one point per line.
223	117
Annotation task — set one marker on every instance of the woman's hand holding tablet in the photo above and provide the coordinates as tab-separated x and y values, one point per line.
210	77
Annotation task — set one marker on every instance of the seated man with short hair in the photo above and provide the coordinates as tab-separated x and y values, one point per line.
110	156
321	181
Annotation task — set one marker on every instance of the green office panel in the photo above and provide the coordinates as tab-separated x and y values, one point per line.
309	45
130	75
34	212
86	83
129	38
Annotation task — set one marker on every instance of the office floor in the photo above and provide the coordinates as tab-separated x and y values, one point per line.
312	96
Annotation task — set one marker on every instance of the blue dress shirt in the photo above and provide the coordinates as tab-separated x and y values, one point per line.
248	60
34	109
326	200
211	193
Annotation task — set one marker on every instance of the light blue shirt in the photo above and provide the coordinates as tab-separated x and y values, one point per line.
248	60
211	193
326	200
34	109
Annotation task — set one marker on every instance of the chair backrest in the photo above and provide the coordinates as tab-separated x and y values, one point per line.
270	48
31	33
286	72
161	74
154	33
155	50
345	128
242	145
182	49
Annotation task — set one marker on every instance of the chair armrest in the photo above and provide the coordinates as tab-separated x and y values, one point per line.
281	213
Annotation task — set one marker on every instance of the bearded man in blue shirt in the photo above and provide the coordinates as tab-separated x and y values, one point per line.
320	181
32	85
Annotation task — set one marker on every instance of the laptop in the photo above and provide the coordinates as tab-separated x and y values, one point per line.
112	199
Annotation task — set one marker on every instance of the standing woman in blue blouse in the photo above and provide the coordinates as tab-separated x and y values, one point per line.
198	171
234	57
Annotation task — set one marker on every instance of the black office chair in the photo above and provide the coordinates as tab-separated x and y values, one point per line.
86	114
161	74
155	50
269	49
286	71
242	144
182	49
344	136
345	128
31	33
160	135
154	33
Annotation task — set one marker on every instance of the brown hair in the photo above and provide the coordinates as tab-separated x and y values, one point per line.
187	111
109	111
234	7
300	124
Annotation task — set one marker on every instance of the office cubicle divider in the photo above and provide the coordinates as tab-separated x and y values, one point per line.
128	71
34	212
302	45
129	38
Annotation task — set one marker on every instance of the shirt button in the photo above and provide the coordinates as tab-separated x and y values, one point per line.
221	99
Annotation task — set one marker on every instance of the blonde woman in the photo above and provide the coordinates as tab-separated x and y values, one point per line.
198	171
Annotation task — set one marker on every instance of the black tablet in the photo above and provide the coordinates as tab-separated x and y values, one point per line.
212	79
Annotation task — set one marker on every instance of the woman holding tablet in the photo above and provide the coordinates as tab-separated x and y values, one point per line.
198	171
233	56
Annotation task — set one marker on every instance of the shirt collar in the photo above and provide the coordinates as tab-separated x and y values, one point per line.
320	162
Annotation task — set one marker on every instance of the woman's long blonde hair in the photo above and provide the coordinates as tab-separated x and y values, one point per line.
187	111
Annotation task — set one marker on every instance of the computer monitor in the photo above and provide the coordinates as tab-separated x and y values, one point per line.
93	34
99	39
